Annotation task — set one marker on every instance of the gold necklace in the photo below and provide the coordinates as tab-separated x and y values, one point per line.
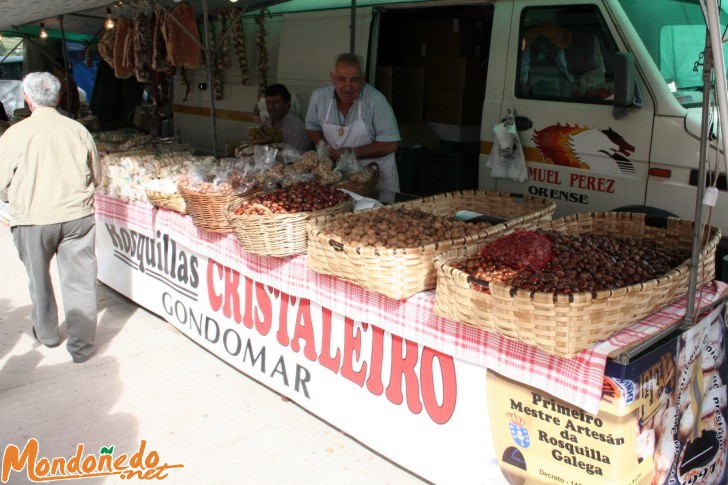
342	123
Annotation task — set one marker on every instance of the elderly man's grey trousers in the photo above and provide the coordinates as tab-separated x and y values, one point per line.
73	243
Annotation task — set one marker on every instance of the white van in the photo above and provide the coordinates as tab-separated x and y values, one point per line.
557	66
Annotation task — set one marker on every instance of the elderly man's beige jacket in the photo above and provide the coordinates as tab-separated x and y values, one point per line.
50	168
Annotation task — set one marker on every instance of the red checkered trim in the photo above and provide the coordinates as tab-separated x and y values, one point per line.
138	214
577	381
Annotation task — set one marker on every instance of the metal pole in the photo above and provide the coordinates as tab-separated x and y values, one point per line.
352	29
703	153
208	55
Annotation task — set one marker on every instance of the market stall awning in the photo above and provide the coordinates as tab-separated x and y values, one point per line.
84	18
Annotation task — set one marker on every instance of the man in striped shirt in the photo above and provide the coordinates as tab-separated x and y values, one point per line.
352	116
278	105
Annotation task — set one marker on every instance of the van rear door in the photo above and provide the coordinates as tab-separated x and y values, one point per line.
558	81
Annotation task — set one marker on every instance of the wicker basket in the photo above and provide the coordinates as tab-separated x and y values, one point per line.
208	209
276	234
566	324
144	118
400	273
263	135
173	202
368	188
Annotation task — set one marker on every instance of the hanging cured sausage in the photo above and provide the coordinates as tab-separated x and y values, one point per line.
106	46
88	54
182	49
239	45
184	79
123	27
262	54
142	46
215	66
223	57
159	48
128	53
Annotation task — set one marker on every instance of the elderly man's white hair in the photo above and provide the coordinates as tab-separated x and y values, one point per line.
42	89
350	58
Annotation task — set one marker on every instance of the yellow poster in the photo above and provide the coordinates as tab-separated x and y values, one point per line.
541	439
662	420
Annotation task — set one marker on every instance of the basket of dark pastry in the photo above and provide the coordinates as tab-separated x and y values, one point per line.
571	282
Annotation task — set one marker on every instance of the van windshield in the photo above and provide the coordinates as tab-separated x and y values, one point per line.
673	32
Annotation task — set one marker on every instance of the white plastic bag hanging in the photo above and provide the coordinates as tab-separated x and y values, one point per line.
506	158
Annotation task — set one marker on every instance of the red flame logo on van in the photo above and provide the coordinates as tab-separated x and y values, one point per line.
553	144
571	146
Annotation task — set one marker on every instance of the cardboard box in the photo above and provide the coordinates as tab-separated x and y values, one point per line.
456	37
418	134
445	37
404	88
455	167
448	131
455	107
406	159
452	73
414	39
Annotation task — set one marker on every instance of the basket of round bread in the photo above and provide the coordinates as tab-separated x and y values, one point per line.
389	250
273	223
574	281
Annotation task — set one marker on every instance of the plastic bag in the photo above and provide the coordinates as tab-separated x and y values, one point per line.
362	203
322	149
506	158
221	177
347	164
239	176
200	175
292	177
288	154
264	156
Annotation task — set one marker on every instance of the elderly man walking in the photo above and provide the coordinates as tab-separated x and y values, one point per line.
50	168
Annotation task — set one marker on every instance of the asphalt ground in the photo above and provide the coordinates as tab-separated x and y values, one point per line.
149	385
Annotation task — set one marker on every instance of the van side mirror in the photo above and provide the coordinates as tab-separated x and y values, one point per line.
625	85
